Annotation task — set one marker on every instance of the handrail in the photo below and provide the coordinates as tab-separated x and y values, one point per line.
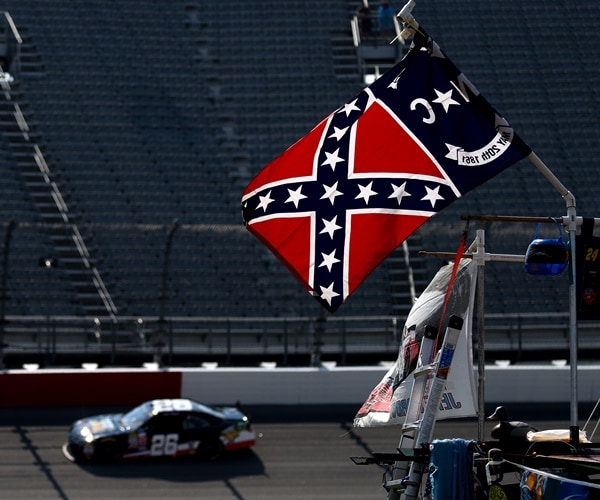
18	39
13	27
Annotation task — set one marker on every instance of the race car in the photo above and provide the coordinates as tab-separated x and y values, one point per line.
160	428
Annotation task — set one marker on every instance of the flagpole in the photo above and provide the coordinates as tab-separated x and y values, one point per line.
571	225
479	258
570	222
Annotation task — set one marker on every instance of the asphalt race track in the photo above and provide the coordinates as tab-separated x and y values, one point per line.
300	455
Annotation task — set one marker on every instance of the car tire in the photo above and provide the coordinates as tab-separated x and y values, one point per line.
69	455
107	452
210	450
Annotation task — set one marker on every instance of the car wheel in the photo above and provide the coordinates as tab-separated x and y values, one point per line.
107	452
70	455
210	450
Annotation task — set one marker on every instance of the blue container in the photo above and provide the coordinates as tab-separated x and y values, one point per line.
547	257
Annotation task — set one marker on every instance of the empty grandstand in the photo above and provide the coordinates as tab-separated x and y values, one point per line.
131	127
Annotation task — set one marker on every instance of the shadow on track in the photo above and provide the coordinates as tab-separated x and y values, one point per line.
229	466
44	466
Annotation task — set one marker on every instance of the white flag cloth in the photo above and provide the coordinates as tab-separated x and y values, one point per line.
388	402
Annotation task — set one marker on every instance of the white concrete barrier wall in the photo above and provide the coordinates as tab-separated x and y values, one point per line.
270	386
281	386
541	384
296	386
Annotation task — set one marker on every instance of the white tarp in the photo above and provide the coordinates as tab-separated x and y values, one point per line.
388	402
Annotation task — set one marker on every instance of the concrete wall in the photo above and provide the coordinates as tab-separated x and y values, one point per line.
268	386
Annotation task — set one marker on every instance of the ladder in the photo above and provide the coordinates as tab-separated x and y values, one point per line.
430	377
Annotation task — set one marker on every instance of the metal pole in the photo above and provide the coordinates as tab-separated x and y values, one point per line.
285	341
170	356
573	334
498	257
315	357
160	341
479	257
571	225
4	291
510	218
344	344
113	343
228	340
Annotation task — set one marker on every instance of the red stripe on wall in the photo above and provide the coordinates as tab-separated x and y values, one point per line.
80	388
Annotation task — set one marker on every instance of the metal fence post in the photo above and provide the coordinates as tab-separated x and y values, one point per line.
160	341
4	290
315	358
228	358
285	342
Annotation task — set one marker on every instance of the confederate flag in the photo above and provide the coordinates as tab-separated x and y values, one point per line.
343	197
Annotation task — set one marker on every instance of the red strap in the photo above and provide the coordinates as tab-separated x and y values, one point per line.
459	253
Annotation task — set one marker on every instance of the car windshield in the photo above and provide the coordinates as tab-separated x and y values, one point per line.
136	417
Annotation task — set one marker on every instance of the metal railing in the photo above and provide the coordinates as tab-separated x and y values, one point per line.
172	338
522	335
231	339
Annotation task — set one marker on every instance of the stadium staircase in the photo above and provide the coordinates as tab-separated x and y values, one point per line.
231	154
27	146
345	62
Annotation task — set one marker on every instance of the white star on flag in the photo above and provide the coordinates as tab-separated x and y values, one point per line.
264	201
332	159
349	107
330	227
295	196
328	260
433	195
331	192
445	99
327	293
399	192
338	133
365	192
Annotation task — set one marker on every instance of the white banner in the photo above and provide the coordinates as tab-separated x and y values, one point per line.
388	402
